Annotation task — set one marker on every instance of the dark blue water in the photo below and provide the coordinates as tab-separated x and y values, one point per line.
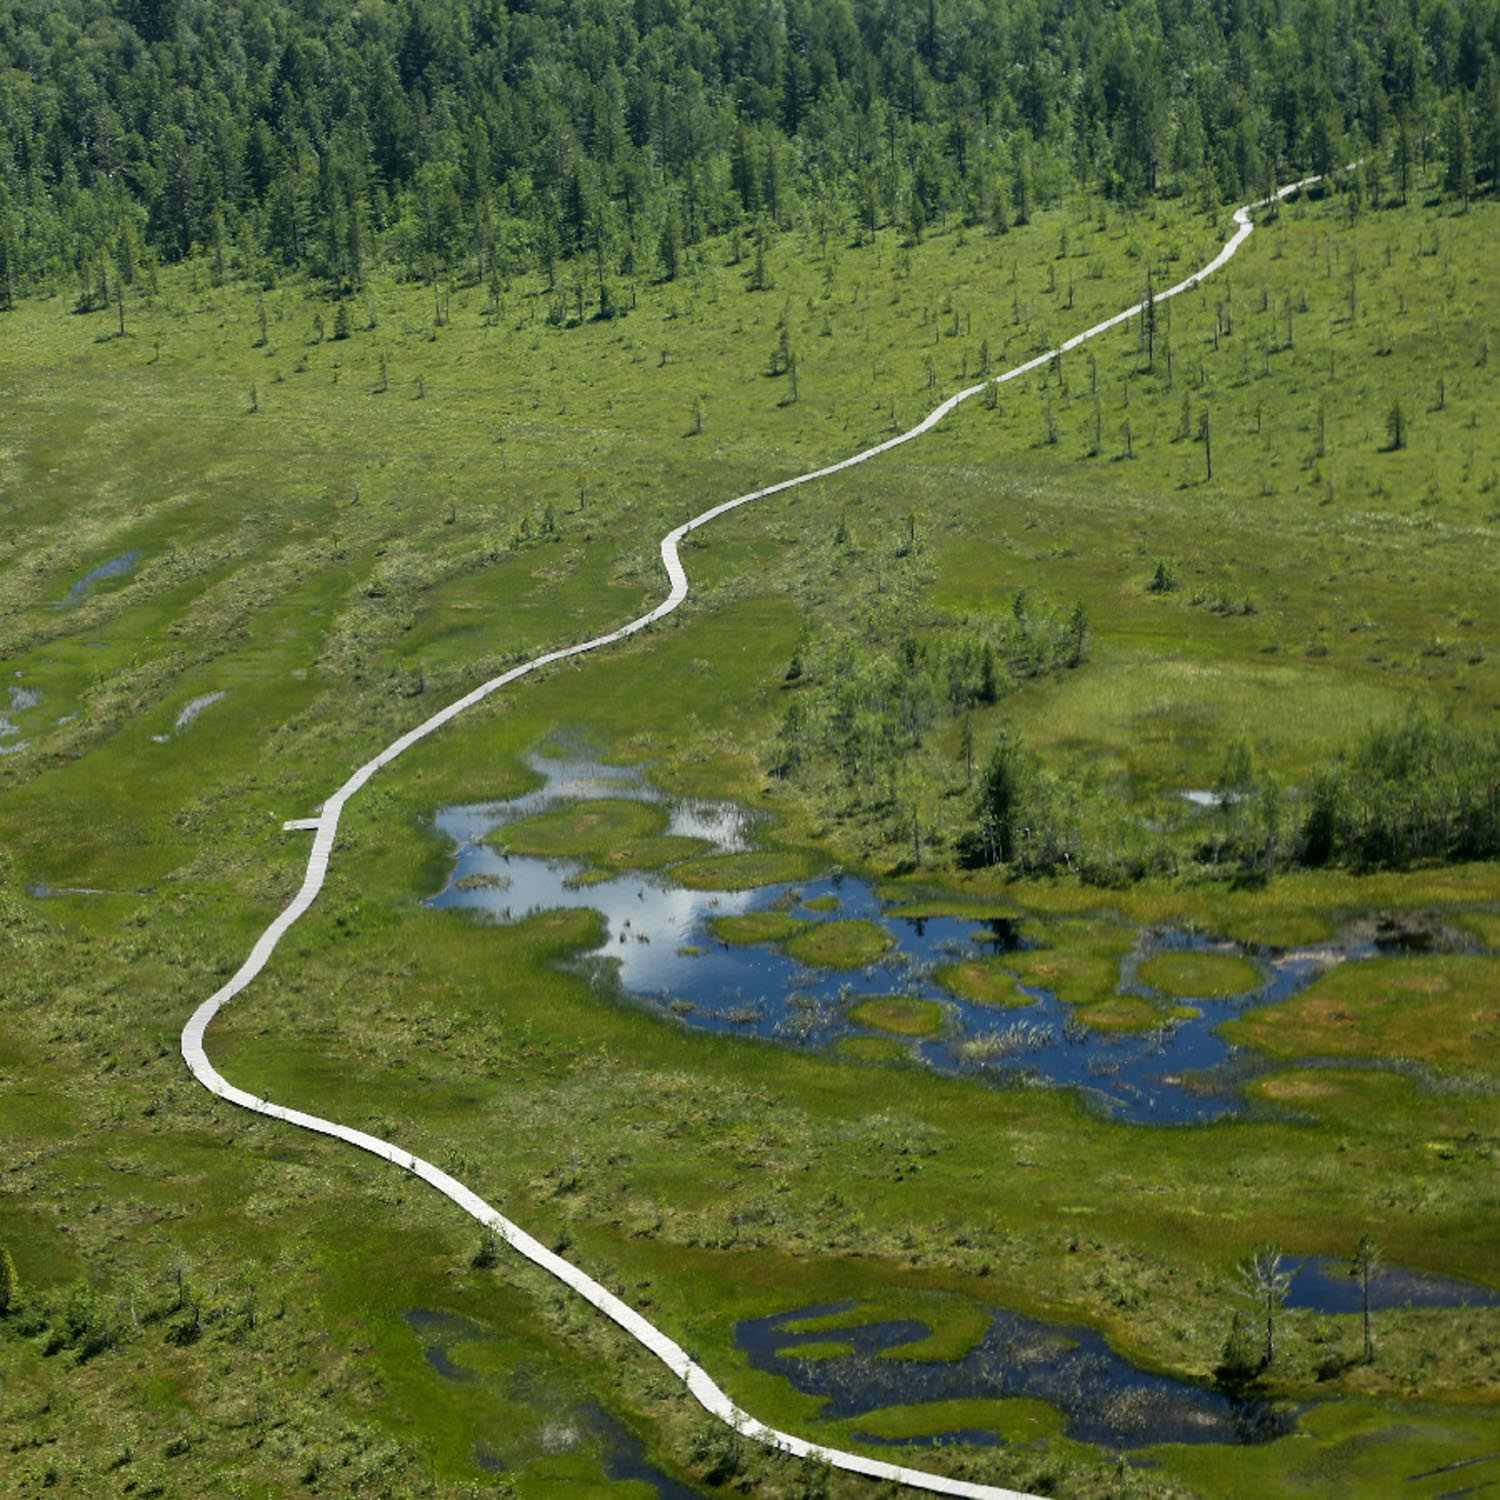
660	950
114	568
625	1458
1103	1397
1324	1284
974	1437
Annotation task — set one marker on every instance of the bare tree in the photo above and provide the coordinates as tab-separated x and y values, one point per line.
1148	322
1266	1284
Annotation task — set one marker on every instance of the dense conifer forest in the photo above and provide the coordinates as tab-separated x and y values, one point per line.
474	139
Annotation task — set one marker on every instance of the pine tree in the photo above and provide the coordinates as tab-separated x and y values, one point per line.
760	277
1402	158
1395	426
999	210
669	247
390	146
1364	1265
8	267
742	171
1458	179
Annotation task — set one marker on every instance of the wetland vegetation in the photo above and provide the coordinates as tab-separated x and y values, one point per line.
1032	910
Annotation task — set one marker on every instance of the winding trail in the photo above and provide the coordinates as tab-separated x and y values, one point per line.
325	827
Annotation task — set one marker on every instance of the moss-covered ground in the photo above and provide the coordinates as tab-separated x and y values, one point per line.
900	1014
627	834
1199	976
985	980
840	945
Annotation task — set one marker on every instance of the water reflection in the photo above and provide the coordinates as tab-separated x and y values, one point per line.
114	568
1324	1285
660	946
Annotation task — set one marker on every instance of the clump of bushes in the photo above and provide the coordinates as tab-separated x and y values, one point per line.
1422	788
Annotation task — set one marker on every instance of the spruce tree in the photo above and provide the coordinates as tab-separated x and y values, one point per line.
1364	1266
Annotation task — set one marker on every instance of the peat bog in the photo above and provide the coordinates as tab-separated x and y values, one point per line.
663	945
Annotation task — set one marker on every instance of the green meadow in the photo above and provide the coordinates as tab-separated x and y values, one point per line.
334	537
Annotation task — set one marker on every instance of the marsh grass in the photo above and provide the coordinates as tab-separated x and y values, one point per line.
348	557
739	872
1440	1010
904	1016
1199	976
1121	1013
754	928
840	944
1075	978
594	829
985	980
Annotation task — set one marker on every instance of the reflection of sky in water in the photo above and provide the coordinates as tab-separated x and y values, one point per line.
21	699
1325	1285
1181	1072
111	569
189	712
